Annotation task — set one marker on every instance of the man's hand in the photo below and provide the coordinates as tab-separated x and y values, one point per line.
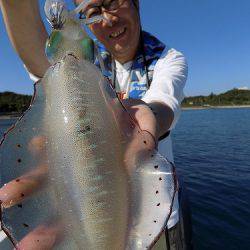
16	191
155	118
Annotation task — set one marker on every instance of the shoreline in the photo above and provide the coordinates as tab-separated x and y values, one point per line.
17	115
10	116
216	107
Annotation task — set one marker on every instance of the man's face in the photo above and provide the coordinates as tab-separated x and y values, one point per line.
121	33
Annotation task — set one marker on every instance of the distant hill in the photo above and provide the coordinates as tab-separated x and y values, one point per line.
233	97
11	102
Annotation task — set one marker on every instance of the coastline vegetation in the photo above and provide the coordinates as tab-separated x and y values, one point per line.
233	97
13	103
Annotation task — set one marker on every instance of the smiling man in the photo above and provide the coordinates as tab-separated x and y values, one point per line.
120	34
148	75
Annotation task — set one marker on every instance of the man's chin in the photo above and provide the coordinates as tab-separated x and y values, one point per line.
121	52
123	47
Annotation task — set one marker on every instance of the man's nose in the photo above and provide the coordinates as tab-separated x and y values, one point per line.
109	19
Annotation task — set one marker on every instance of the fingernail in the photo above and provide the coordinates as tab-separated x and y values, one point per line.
4	197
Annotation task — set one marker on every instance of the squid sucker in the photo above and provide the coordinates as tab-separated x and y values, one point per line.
89	169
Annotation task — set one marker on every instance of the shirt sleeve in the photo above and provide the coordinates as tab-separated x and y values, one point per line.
33	77
169	78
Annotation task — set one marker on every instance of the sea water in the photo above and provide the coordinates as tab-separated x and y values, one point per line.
212	154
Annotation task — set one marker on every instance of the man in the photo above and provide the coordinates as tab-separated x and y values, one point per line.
148	75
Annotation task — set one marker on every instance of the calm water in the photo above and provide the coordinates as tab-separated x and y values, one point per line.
212	152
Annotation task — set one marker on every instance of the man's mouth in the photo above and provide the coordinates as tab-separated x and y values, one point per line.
117	33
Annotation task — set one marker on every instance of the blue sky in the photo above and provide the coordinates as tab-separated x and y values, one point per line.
214	35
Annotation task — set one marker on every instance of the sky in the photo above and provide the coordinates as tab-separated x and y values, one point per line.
214	36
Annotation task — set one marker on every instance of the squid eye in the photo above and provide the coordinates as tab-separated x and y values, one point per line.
81	15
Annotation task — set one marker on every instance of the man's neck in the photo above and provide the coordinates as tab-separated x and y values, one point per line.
125	59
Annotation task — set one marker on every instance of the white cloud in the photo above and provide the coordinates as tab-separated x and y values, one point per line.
243	88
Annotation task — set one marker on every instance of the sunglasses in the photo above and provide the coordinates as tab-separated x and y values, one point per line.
92	11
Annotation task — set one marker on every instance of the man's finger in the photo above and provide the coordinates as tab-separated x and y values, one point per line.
141	146
37	145
16	191
42	238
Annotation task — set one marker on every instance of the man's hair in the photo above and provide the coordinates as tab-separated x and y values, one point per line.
136	3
